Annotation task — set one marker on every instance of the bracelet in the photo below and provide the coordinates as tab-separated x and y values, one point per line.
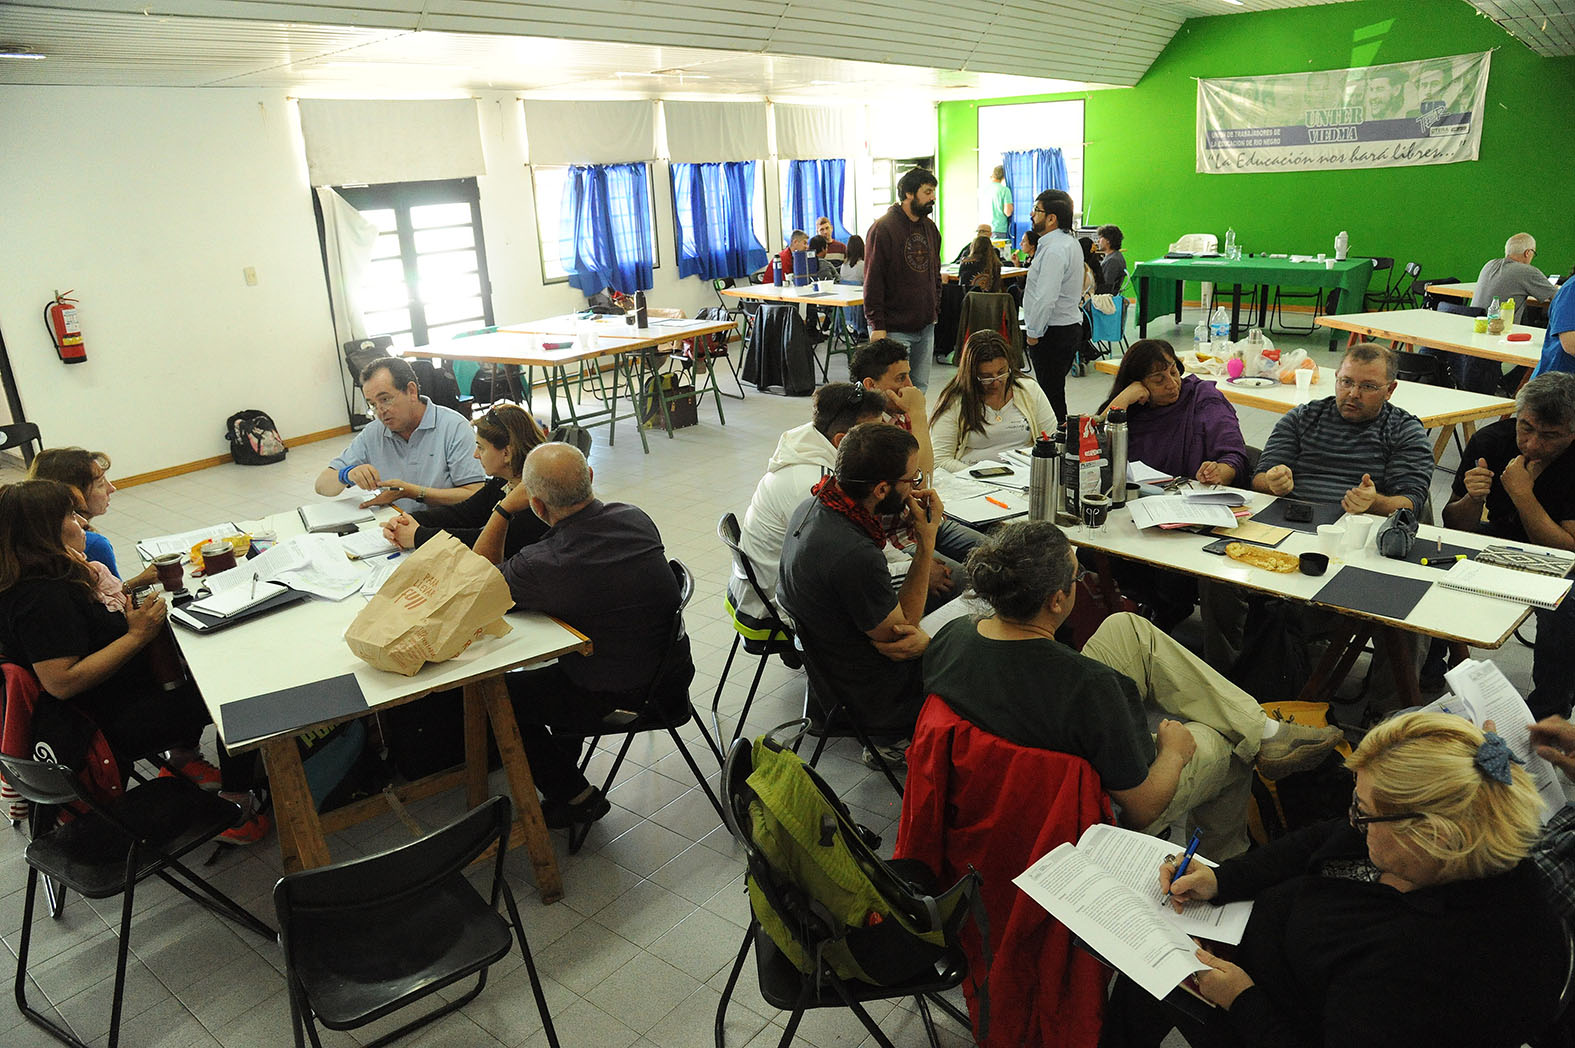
344	475
505	514
421	495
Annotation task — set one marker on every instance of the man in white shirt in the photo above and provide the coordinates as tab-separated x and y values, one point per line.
1051	311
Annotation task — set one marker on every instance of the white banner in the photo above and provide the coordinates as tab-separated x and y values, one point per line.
1400	115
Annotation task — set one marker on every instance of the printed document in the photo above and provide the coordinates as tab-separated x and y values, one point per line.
1482	693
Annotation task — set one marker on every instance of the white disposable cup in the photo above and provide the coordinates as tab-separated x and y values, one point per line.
1357	528
1328	263
1304	377
1321	256
1330	539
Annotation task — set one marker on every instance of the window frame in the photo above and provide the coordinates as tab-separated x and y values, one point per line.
541	244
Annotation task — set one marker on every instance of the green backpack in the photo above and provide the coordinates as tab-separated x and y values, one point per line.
874	925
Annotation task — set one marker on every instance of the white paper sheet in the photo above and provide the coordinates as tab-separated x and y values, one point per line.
314	564
1482	693
1174	509
182	542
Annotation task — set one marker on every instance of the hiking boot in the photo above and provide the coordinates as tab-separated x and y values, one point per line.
1296	747
895	756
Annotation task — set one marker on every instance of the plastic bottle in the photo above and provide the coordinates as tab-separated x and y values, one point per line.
1219	325
1230	243
1495	318
1200	338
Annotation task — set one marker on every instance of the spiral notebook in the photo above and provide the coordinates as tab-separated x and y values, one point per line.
1489	580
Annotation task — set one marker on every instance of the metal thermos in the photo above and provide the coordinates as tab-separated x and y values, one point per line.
1116	431
1043	480
642	319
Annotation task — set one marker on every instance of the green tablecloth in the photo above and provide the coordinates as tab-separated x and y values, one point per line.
1163	277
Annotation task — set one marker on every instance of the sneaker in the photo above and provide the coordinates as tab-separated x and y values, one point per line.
560	815
247	831
895	755
198	771
1296	747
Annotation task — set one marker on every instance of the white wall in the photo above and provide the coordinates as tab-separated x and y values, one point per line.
149	203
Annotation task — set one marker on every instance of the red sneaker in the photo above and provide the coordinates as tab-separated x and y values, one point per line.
198	771
250	831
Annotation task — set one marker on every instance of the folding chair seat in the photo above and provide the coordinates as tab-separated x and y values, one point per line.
367	937
712	348
831	716
667	707
770	637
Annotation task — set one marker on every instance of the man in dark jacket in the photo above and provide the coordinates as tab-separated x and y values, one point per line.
902	273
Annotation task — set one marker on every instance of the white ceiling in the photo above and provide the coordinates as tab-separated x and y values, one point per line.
1545	26
826	49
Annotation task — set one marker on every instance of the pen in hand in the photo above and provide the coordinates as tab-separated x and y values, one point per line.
1181	867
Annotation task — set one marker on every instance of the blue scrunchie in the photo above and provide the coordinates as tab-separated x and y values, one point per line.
1493	758
344	475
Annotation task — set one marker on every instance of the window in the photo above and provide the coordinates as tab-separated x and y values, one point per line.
428	277
882	191
1031	125
828	189
714	209
548	185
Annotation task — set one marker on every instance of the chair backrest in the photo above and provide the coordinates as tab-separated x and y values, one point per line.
1444	305
360	352
732	536
41	782
464	372
1197	242
20	434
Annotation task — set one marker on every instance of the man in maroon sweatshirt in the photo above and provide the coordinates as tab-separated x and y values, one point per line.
902	273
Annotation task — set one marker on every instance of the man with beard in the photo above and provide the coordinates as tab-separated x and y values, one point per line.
1052	315
902	273
834	583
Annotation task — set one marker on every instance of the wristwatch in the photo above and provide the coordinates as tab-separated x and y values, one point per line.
500	511
421	494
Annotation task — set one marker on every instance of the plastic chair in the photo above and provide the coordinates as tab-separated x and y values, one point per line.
782	985
659	712
364	938
1198	244
108	849
776	638
21	435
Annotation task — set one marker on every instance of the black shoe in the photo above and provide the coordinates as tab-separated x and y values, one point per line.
576	818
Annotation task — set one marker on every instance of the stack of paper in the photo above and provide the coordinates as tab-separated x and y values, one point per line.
1482	693
330	516
235	599
366	544
1172	510
184	541
313	564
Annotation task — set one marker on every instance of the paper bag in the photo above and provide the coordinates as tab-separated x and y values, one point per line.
440	599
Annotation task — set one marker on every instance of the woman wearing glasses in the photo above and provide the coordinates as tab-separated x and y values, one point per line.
988	407
504	435
1177	423
1413	921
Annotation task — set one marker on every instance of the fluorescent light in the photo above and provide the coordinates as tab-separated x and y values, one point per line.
1238	3
18	51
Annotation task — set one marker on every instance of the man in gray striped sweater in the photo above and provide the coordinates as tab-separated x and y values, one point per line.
1354	448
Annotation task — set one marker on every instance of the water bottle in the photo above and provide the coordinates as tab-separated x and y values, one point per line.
776	272
1200	338
1116	428
1219	325
1043	480
1342	245
1230	243
1495	318
642	319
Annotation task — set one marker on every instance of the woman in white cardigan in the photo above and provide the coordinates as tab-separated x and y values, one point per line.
987	408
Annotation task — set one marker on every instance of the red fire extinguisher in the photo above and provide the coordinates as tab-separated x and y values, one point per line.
60	317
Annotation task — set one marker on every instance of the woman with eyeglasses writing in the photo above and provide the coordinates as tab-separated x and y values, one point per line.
504	436
1413	921
1177	423
988	407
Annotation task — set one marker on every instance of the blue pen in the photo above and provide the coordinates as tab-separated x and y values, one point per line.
391	556
1181	868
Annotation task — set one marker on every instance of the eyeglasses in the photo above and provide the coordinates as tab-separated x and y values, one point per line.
1367	389
990	380
1360	821
917	480
1037	210
1079	575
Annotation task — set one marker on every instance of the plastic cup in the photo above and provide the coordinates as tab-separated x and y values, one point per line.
1328	263
1479	325
1357	529
1331	538
1304	377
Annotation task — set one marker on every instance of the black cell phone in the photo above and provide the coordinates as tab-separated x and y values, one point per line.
991	471
1300	512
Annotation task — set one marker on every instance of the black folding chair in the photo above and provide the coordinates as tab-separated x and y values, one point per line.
22	436
108	848
774	638
831	716
367	937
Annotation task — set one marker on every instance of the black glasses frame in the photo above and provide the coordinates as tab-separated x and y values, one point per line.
1360	821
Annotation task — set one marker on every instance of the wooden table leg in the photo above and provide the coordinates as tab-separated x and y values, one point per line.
1442	442
1398	652
301	839
531	828
1336	663
475	746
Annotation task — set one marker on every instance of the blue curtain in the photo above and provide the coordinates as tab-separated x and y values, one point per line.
1030	172
814	188
605	231
713	210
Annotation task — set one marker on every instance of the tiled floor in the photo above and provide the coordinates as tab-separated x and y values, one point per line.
639	949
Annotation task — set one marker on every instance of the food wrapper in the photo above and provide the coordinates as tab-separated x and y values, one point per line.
441	599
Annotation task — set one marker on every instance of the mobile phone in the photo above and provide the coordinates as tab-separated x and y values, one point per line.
1298	511
991	471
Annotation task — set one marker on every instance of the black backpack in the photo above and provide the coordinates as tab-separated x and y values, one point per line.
254	438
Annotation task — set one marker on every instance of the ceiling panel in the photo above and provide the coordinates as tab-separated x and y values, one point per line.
1545	26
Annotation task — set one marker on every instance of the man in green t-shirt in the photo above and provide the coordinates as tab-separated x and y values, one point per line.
1000	204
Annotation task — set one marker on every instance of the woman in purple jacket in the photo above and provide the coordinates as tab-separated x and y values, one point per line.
1178	424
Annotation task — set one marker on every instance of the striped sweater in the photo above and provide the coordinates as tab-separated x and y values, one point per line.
1328	455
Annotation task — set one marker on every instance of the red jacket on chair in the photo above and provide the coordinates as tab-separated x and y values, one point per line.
974	799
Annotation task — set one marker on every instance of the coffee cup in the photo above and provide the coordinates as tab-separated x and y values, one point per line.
1096	510
1331	538
217	556
172	574
1357	528
1313	563
1304	377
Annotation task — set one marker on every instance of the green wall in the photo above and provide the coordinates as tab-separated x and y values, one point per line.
1140	146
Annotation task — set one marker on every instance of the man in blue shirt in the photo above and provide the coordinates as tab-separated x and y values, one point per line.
413	452
1052	313
1558	352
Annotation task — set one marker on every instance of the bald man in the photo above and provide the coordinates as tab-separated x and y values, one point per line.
602	569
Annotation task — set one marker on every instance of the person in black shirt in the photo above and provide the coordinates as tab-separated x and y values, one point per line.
1112	271
504	436
86	654
981	270
1517	482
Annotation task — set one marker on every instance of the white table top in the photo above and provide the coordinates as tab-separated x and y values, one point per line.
1434	405
1446	331
304	643
1483	622
840	294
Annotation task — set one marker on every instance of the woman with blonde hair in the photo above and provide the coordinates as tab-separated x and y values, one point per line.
988	407
1413	921
504	436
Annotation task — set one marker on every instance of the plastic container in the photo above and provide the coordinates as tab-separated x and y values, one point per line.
1219	325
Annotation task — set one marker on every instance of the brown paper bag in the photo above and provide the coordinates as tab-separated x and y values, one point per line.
438	601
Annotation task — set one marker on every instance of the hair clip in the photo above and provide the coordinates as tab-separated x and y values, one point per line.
1493	758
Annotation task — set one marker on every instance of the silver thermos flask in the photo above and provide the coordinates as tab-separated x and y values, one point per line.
1116	425
1044	483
